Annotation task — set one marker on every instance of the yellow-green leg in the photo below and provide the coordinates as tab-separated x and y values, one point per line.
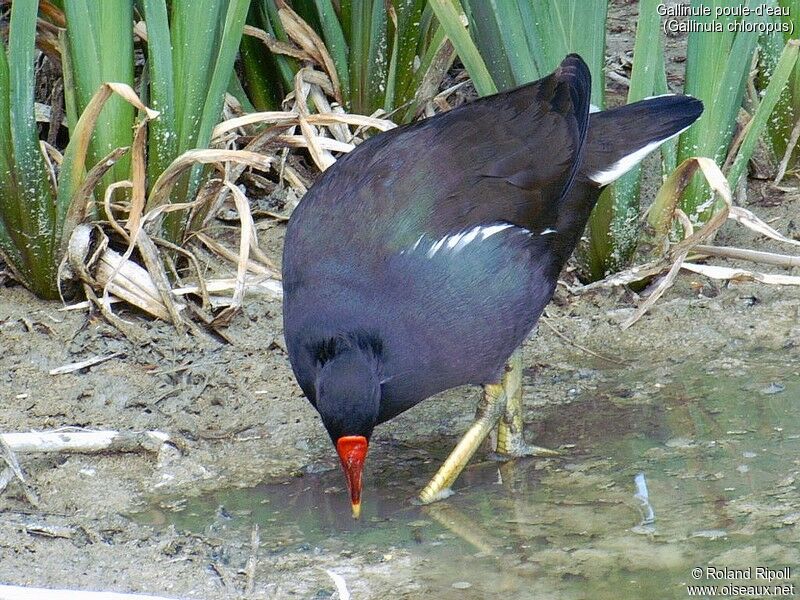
489	410
510	440
501	405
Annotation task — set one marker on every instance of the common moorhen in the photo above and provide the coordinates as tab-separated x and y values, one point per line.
421	260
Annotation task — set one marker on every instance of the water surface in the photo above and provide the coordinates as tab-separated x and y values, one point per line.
655	481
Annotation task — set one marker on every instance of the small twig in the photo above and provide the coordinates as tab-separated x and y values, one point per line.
224	577
443	95
340	583
51	531
663	285
757	256
293	178
546	321
201	282
219	249
621	79
89	362
6	476
84	441
787	156
272	215
8	456
252	561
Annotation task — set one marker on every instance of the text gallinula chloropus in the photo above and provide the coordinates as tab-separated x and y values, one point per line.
421	260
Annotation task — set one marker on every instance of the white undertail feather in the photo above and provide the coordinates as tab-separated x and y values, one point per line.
629	161
662	96
626	163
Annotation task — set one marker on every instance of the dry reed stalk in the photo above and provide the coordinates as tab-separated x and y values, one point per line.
674	256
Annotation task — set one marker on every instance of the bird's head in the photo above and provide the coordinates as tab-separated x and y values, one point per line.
348	400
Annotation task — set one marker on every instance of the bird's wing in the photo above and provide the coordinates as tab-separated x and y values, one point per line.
508	157
457	307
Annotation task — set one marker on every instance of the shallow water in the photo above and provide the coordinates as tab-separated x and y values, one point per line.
656	480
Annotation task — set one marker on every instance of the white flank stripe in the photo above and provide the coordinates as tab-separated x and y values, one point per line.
469	237
453	240
436	247
492	229
458	241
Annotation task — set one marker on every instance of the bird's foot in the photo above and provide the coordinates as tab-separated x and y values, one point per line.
511	442
429	495
519	448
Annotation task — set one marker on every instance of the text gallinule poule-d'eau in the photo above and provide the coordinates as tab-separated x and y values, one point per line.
421	260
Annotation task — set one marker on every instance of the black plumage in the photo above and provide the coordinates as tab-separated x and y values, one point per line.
422	259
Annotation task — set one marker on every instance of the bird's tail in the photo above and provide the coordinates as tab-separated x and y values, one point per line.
619	138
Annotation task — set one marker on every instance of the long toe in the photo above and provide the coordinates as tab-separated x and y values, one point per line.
519	448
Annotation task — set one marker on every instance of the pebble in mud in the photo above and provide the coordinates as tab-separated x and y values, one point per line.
710	534
773	388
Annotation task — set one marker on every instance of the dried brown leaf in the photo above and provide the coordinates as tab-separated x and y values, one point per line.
305	37
163	185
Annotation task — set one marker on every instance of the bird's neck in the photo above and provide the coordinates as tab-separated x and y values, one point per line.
349	392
